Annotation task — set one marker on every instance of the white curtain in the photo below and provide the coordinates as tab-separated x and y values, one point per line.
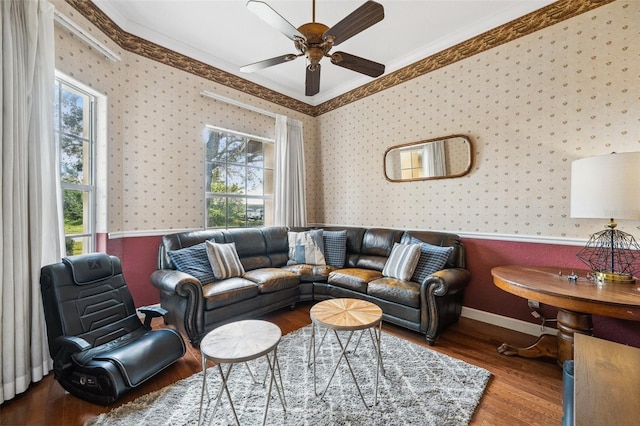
30	224
290	195
434	162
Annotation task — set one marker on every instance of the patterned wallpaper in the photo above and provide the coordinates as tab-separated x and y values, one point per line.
156	123
530	106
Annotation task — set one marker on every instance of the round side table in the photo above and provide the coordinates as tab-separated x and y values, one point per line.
347	315
238	342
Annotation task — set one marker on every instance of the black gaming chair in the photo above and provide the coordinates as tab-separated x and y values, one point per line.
99	346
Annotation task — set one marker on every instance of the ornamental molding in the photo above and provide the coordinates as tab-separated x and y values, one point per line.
535	21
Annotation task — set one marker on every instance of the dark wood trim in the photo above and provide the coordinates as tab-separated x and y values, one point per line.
550	15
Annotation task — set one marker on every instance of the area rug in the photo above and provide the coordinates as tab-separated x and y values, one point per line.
420	387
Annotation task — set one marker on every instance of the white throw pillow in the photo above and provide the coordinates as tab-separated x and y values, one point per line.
306	248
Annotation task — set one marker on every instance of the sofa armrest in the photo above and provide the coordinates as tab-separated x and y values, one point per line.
446	281
181	295
441	300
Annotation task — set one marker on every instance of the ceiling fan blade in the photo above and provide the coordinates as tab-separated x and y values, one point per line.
312	83
358	64
273	18
268	63
357	21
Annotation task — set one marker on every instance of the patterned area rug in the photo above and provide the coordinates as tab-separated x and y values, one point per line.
419	387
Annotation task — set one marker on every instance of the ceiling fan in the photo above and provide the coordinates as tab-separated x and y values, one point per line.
315	40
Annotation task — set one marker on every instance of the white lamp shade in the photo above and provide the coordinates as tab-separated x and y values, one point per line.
606	186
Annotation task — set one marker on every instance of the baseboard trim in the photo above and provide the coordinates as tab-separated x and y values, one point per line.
506	322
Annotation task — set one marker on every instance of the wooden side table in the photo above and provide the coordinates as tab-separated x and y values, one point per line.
346	315
577	301
238	342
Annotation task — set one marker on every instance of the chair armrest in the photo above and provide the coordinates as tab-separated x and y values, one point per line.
151	312
72	344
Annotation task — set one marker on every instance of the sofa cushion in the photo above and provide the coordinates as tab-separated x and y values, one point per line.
250	245
353	278
402	261
227	292
432	259
306	247
335	247
395	290
377	244
224	260
193	261
310	273
269	280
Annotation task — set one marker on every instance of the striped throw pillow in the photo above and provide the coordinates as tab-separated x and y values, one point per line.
402	261
224	260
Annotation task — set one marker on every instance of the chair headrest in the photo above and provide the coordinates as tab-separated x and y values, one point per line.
89	268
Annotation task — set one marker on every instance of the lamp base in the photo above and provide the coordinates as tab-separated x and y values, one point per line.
612	255
614	277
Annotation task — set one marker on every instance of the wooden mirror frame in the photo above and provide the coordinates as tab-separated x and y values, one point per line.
461	170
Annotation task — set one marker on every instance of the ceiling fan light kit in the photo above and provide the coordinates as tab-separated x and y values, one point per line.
315	41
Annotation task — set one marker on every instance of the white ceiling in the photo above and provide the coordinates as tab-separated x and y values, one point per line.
224	34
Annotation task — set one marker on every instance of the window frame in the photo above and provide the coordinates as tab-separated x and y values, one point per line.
95	110
265	198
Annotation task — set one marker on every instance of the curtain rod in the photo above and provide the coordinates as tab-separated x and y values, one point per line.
66	22
230	101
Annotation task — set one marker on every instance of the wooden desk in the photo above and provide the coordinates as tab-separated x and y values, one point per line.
577	301
606	383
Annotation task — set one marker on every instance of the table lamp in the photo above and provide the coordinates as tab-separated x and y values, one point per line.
608	187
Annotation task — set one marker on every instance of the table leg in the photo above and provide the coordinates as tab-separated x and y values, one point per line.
569	323
545	345
204	384
312	350
272	380
343	354
558	346
223	387
379	360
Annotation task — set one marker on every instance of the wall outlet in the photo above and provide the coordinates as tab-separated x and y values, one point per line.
533	304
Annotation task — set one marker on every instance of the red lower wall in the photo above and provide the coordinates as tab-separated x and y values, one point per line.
139	260
139	256
482	294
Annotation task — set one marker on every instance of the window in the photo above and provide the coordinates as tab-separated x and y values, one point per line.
238	179
74	120
411	164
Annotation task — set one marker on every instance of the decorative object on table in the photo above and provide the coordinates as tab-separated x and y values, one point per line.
421	386
606	187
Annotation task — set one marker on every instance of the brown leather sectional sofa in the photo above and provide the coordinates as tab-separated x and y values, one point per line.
269	283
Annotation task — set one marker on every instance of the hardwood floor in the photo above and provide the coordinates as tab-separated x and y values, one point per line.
521	391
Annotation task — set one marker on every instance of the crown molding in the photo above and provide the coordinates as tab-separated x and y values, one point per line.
525	25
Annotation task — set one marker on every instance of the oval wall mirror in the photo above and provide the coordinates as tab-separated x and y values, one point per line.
440	158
